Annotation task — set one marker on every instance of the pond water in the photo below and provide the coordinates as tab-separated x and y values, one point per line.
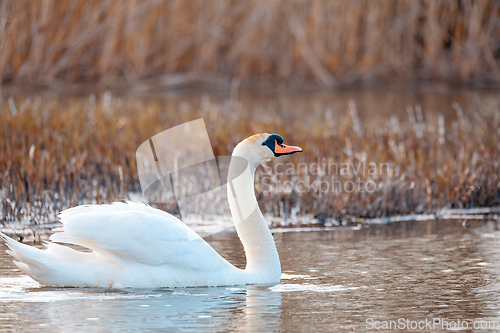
333	280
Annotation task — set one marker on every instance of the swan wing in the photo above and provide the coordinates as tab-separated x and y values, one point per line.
135	233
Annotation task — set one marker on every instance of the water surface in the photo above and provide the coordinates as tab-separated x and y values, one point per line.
336	280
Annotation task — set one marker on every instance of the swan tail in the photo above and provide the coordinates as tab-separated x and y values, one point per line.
56	265
28	259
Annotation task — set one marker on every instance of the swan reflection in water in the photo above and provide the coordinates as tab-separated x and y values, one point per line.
247	308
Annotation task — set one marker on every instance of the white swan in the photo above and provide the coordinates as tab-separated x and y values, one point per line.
135	245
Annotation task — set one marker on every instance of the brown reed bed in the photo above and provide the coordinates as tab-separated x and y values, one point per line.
163	44
61	152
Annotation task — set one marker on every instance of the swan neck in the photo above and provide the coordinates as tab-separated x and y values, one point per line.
260	249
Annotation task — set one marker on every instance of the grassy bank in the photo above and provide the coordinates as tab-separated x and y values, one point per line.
56	153
163	44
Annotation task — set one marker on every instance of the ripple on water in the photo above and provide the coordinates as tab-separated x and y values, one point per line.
285	276
310	287
25	289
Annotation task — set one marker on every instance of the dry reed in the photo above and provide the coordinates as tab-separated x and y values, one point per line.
56	153
164	44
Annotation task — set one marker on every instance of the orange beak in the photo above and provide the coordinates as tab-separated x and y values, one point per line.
282	149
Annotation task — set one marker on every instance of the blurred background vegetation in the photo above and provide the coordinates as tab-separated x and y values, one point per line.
411	83
260	43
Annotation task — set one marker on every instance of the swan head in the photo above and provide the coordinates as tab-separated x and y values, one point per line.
260	148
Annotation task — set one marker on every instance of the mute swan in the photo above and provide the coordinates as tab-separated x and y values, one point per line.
135	245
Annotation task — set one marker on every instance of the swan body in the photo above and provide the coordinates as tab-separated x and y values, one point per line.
134	245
